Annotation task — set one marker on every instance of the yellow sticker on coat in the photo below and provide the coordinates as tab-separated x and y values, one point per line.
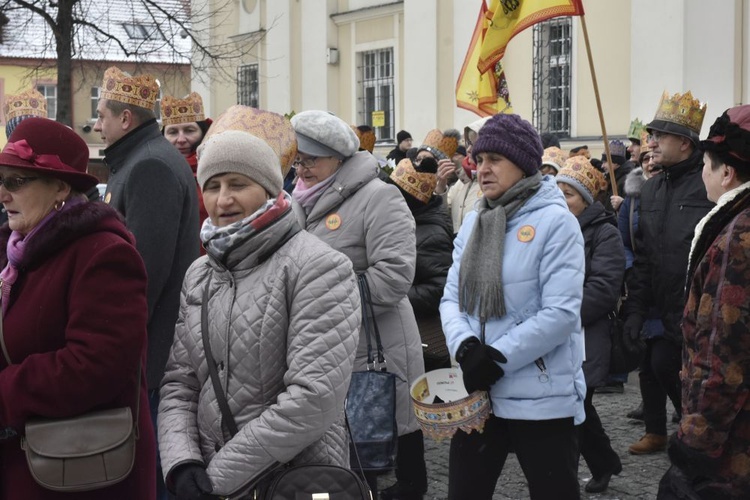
526	234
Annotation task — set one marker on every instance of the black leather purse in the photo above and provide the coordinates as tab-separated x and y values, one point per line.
371	401
280	481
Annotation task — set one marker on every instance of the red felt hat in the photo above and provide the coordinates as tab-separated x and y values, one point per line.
49	148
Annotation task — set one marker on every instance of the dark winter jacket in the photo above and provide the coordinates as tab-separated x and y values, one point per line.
152	186
434	249
713	439
672	203
627	222
605	267
396	155
75	332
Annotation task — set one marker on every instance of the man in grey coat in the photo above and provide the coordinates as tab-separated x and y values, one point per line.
152	186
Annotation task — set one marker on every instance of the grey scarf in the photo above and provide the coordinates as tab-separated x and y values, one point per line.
480	285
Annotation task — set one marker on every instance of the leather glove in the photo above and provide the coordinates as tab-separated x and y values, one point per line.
192	483
479	364
631	330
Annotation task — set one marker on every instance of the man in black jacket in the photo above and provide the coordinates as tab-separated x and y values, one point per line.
672	204
152	186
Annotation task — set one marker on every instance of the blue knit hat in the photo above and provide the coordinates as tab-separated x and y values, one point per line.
514	138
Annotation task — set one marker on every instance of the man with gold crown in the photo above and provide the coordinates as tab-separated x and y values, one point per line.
151	185
671	206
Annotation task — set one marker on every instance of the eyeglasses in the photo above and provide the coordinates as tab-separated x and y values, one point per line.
307	163
656	135
13	184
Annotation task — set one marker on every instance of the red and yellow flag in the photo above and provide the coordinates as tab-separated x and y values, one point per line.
478	92
507	18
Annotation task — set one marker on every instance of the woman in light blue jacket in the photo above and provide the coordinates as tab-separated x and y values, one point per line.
511	316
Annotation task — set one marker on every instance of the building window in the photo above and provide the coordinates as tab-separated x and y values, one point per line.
375	95
94	102
552	63
137	31
247	85
49	92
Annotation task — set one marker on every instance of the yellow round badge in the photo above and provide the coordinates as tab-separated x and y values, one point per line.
333	222
526	234
108	197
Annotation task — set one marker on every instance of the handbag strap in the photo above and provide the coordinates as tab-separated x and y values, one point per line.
370	324
227	419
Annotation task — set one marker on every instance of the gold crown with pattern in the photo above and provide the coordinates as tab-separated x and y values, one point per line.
418	184
141	90
366	139
587	176
681	109
187	110
645	148
272	127
554	157
28	103
436	141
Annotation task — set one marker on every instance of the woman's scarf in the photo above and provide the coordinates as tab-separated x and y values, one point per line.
308	196
219	240
480	277
16	248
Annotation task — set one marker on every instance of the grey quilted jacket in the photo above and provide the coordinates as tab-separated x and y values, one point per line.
284	330
368	221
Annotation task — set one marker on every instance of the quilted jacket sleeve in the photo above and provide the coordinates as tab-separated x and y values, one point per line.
390	243
604	272
321	343
179	440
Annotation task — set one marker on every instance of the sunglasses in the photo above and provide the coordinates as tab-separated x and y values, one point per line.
14	183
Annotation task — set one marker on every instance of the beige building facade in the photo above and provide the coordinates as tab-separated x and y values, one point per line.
395	64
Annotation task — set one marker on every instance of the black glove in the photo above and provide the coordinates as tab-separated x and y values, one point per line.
192	483
631	330
479	364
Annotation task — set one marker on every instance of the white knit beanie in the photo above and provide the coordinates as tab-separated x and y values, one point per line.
234	151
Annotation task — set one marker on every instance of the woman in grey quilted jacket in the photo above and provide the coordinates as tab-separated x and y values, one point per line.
340	199
283	314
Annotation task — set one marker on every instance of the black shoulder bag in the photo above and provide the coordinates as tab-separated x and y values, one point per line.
279	481
371	401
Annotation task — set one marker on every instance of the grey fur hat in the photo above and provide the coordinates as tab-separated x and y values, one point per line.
320	133
234	151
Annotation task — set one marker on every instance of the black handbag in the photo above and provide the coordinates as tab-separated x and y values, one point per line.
625	356
279	481
371	400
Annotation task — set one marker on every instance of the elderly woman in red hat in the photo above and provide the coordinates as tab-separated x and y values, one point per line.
73	305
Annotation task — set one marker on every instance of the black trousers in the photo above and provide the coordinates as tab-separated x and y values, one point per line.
659	379
594	443
546	449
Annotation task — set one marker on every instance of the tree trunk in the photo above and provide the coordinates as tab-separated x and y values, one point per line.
64	45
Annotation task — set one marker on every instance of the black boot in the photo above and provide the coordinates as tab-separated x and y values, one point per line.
411	470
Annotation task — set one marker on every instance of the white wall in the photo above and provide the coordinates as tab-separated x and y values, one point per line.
278	68
314	69
420	68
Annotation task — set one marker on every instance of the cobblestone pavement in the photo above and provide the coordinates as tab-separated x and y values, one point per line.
640	474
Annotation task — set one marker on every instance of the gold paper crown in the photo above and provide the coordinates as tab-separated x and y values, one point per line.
28	103
273	128
175	111
554	157
682	110
418	184
636	127
437	141
141	90
645	148
581	169
366	139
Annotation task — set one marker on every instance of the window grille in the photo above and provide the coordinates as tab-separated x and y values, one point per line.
552	63
247	85
375	72
94	102
49	92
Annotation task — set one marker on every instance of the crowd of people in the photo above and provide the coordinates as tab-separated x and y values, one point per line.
220	275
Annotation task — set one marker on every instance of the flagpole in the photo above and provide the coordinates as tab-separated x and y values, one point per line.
612	180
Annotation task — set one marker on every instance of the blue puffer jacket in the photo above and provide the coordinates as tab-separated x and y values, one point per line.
543	272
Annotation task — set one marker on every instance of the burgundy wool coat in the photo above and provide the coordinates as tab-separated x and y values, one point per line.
75	331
